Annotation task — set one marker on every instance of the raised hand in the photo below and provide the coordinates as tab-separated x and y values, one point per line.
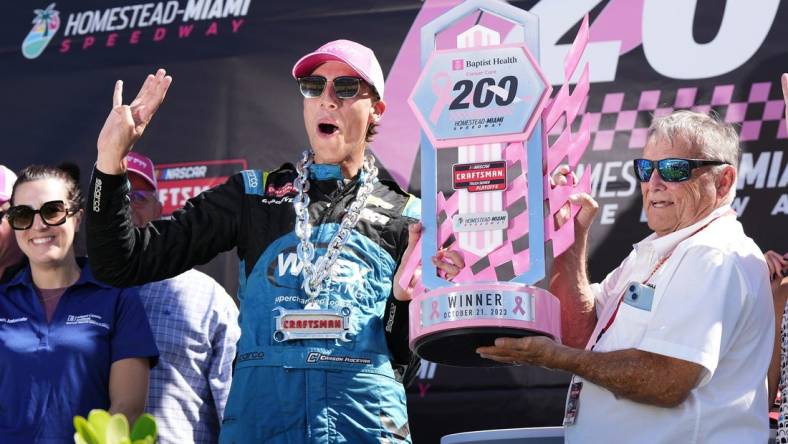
588	206
778	264
126	123
406	294
448	263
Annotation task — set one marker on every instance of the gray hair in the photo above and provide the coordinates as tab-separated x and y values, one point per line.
706	135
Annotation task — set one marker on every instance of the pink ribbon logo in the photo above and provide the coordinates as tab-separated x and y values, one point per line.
441	86
519	308
434	314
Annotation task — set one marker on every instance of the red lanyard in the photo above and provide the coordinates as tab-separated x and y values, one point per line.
645	282
621	299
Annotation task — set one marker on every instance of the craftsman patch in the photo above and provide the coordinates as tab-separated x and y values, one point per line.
476	177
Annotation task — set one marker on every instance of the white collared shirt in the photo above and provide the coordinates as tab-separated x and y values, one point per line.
711	306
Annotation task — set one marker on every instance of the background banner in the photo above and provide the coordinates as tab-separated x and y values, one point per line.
233	102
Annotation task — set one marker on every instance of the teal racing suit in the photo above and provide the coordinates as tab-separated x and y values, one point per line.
297	391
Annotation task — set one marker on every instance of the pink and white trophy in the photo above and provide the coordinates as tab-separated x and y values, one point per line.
484	107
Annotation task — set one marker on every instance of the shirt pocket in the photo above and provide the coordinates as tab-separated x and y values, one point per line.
627	330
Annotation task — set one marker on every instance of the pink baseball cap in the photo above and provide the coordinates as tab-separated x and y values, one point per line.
7	179
141	166
355	55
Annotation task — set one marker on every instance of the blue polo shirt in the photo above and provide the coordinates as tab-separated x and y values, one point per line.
50	372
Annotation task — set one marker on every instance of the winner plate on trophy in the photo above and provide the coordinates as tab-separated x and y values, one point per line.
484	107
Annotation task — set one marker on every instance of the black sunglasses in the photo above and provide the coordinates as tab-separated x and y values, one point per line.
671	169
345	87
52	213
141	196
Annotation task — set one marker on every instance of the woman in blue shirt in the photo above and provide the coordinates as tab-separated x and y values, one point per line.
68	343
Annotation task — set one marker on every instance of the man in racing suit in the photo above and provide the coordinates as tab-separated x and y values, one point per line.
299	390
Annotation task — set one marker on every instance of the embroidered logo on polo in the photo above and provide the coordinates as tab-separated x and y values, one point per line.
315	357
92	319
12	320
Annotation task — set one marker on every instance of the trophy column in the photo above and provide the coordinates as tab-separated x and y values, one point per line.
480	104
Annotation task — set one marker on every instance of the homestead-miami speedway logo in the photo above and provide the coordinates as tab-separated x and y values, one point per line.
45	25
117	26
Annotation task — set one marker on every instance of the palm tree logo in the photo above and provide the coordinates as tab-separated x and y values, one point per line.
45	25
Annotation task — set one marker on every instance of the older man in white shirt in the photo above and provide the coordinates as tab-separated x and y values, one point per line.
673	346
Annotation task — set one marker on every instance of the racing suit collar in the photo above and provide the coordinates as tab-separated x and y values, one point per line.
328	178
325	171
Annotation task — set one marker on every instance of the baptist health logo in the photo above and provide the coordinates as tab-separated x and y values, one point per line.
45	25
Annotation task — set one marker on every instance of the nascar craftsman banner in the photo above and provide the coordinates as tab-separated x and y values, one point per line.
179	182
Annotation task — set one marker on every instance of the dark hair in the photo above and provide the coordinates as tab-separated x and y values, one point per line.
372	129
67	172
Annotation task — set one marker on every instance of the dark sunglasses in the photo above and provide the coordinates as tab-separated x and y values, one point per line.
345	87
141	196
52	213
671	169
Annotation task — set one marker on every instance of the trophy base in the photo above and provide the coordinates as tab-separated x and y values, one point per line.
448	324
457	347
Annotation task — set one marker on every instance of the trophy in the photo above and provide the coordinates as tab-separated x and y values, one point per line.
484	107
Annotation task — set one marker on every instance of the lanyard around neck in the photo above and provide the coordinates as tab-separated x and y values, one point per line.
660	263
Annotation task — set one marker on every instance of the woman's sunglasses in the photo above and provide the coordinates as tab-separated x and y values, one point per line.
53	213
345	87
672	169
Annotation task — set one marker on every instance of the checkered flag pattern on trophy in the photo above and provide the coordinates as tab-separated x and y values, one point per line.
484	107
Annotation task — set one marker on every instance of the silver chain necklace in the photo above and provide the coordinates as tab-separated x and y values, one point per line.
317	274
